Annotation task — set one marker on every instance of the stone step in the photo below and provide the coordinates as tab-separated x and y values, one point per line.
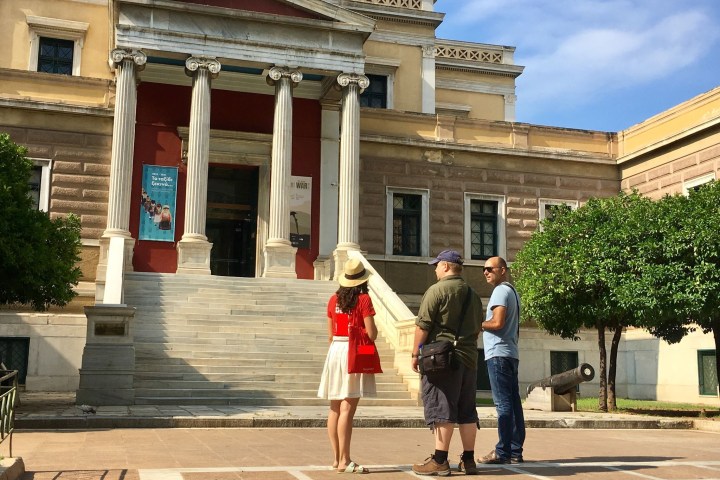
266	401
164	376
248	385
270	391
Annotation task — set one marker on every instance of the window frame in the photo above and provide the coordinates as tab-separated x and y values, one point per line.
696	182
544	202
58	29
701	384
501	226
424	220
386	67
387	89
44	198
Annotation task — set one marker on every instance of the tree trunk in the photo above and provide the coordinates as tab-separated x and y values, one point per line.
612	402
602	396
716	335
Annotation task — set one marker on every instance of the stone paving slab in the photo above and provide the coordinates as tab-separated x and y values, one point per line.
304	454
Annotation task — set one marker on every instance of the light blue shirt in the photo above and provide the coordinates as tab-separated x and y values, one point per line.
503	342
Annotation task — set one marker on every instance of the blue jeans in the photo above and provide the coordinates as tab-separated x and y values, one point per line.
503	372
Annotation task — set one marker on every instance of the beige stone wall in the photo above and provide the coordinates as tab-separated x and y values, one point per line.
14	31
79	148
669	170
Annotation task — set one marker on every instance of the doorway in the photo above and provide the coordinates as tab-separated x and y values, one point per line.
231	223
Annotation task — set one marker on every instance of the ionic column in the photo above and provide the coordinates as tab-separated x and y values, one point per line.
194	248
279	253
127	63
349	185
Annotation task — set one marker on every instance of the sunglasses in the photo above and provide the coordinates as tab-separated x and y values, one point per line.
489	269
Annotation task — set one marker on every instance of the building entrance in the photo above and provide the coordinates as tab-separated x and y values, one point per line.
232	219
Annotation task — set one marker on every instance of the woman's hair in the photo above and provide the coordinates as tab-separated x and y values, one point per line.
347	296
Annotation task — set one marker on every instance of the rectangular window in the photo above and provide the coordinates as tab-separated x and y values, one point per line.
55	55
14	352
407	223
40	184
707	372
375	96
483	229
483	380
562	362
697	182
35	184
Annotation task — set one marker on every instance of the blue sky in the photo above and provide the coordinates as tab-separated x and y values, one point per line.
597	64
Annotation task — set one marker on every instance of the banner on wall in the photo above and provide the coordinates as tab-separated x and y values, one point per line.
300	209
157	207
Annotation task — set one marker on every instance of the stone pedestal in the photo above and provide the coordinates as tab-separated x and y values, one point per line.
279	261
323	267
546	400
340	257
194	257
108	361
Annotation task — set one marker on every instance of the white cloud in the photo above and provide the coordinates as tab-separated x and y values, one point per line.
576	51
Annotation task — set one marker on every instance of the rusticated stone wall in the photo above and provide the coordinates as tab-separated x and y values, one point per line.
449	175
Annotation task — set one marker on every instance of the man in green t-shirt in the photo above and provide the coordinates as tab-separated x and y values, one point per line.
449	398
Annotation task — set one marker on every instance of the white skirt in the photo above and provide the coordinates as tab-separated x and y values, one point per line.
336	383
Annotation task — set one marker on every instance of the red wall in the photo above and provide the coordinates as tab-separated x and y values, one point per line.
162	108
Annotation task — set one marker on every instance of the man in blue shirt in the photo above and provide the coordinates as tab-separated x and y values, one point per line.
501	330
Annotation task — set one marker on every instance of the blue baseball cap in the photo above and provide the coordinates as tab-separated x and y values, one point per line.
447	256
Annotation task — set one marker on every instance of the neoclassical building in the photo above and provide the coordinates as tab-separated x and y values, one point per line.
272	139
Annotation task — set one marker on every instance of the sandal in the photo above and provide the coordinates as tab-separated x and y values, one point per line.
354	468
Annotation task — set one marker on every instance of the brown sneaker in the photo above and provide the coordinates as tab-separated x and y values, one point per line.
493	459
467	466
431	467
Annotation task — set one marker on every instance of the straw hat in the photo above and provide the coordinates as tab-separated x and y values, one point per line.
354	275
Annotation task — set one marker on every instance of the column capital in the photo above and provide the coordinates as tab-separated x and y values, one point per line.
276	73
429	51
193	64
119	55
345	79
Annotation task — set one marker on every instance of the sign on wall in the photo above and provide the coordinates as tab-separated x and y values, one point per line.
300	209
157	206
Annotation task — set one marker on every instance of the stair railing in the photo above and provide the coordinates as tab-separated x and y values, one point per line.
395	321
8	394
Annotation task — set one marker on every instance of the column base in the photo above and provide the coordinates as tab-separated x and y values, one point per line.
340	256
194	257
101	271
279	261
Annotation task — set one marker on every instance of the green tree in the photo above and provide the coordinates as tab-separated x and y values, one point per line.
580	271
38	256
691	249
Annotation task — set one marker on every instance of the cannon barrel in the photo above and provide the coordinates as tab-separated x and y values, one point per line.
562	383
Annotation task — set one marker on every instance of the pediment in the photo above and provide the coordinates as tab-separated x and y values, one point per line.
309	9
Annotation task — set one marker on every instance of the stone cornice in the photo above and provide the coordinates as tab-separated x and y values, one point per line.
55	107
476	87
394	14
496	69
533	152
66	80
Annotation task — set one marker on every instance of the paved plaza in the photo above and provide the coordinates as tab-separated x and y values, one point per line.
304	453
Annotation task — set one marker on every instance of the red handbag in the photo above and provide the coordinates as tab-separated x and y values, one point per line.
363	356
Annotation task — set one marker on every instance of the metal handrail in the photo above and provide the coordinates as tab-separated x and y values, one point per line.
8	394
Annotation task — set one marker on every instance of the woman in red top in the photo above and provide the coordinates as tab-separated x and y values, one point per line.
344	389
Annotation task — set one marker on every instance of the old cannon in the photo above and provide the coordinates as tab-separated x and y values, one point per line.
557	392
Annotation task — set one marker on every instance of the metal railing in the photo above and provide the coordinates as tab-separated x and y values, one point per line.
8	394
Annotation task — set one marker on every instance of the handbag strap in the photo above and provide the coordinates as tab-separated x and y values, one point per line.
517	299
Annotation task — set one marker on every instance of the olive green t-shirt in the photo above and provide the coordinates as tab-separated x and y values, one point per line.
439	314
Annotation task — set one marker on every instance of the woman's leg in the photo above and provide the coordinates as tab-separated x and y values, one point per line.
344	430
332	426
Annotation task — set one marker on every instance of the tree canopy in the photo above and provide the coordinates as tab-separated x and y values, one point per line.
38	255
625	261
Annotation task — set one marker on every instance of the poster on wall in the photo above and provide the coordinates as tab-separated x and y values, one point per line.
157	206
300	208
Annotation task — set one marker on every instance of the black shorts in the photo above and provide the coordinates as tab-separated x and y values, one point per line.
450	397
